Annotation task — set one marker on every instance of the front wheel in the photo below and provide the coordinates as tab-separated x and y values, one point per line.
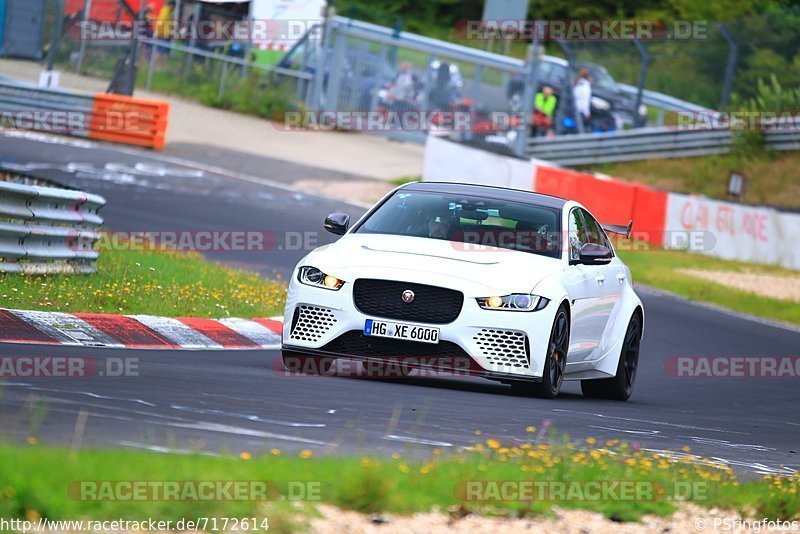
555	364
620	386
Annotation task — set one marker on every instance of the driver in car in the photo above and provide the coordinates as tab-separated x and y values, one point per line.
439	227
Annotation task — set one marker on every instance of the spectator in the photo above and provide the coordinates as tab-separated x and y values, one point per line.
544	107
582	94
149	20
405	87
164	27
440	96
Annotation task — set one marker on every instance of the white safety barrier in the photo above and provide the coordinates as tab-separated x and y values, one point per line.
446	161
732	231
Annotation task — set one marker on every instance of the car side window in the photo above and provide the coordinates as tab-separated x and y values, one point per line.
577	235
594	232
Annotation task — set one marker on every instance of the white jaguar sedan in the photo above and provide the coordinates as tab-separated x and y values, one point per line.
509	285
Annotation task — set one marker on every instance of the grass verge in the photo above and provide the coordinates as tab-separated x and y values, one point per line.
148	282
660	269
37	481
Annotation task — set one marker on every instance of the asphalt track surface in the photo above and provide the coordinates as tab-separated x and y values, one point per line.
235	401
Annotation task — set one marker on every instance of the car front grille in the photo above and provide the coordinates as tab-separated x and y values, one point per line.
311	323
355	343
383	298
503	347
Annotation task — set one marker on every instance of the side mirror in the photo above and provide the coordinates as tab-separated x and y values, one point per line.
594	254
337	223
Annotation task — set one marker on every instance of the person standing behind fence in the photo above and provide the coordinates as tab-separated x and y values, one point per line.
405	87
149	23
582	95
163	29
544	107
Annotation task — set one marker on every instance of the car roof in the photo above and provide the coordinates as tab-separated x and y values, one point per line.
556	60
488	191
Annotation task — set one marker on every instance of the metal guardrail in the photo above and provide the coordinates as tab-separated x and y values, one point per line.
47	229
630	145
783	139
20	96
647	143
660	100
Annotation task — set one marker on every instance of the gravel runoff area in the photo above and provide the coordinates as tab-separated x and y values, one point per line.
766	285
687	519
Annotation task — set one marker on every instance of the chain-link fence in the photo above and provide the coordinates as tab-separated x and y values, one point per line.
370	68
351	66
720	64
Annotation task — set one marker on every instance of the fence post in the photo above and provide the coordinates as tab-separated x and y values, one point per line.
528	94
223	77
733	52
151	65
87	13
317	96
567	90
55	38
337	67
638	120
473	99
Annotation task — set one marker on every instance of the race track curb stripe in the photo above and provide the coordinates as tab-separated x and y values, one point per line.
138	331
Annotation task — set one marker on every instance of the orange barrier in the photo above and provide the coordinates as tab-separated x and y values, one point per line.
650	214
130	121
611	200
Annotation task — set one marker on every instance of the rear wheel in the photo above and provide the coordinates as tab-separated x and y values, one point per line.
620	386
555	364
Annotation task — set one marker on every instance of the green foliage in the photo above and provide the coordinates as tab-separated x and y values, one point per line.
257	94
34	481
772	96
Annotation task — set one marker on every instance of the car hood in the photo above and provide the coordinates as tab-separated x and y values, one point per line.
476	270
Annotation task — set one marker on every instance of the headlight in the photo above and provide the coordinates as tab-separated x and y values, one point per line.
599	103
513	302
311	276
642	110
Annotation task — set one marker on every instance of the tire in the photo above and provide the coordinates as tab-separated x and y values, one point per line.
555	364
620	387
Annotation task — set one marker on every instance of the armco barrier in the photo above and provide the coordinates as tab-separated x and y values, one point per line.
128	120
47	229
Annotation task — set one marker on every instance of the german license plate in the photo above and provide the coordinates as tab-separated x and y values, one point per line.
408	332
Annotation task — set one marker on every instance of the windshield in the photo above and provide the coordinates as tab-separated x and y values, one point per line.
601	78
469	220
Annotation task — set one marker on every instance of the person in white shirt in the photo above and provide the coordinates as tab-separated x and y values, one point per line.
582	94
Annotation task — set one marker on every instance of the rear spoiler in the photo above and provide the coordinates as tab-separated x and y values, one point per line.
619	229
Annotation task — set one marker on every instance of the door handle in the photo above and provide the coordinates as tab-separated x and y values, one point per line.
600	279
621	277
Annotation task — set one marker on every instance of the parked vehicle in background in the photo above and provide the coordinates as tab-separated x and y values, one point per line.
610	105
